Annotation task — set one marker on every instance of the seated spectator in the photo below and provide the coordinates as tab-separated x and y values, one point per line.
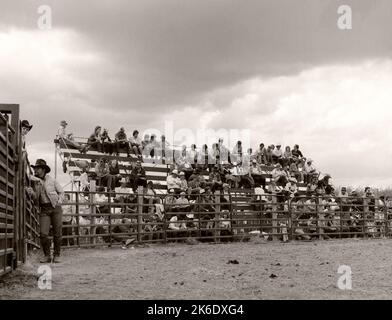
296	153
325	184
123	233
121	141
192	156
313	183
294	171
236	155
146	145
196	183
309	170
182	204
114	174
136	144
183	164
231	177
138	176
214	156
269	153
224	154
206	203
123	193
259	198
153	146
277	155
203	158
67	139
242	176
369	200
170	201
94	141
215	179
257	173
279	176
173	181
149	197
107	145
183	182
287	157
164	150
261	155
103	174
291	188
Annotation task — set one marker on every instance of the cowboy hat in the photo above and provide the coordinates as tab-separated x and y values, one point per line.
26	124
175	171
40	163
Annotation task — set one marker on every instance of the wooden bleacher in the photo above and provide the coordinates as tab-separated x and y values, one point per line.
156	170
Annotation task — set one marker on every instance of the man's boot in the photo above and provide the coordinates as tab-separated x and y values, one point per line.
45	259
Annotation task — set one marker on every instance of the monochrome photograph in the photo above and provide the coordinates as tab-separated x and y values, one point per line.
195	155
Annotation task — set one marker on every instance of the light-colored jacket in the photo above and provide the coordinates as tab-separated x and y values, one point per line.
53	190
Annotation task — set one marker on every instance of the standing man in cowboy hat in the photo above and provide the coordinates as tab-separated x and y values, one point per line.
26	127
49	195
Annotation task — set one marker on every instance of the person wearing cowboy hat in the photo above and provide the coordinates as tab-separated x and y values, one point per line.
67	139
173	181
48	194
25	129
138	176
309	170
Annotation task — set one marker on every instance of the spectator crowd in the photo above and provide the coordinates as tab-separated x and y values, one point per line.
280	180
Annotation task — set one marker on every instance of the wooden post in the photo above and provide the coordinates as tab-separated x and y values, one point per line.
364	212
110	219
165	225
217	217
386	219
139	213
274	218
77	218
290	219
319	230
93	210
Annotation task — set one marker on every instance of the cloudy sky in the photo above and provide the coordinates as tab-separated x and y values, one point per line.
278	70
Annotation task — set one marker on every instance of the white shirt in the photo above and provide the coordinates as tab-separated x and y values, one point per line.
173	183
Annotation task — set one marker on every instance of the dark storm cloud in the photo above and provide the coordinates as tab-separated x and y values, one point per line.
166	53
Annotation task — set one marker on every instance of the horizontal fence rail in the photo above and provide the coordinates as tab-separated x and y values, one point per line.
108	219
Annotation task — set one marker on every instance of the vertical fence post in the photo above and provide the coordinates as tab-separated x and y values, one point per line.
217	217
110	218
319	230
364	213
139	213
290	220
93	210
77	218
274	217
386	229
164	224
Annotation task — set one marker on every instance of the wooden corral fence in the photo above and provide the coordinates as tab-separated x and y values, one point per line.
19	223
105	219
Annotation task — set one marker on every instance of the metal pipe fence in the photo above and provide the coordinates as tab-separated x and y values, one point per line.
107	219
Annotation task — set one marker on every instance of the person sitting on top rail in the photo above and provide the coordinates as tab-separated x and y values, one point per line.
107	144
136	143
120	141
67	139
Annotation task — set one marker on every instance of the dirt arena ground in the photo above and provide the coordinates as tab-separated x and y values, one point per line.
303	270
